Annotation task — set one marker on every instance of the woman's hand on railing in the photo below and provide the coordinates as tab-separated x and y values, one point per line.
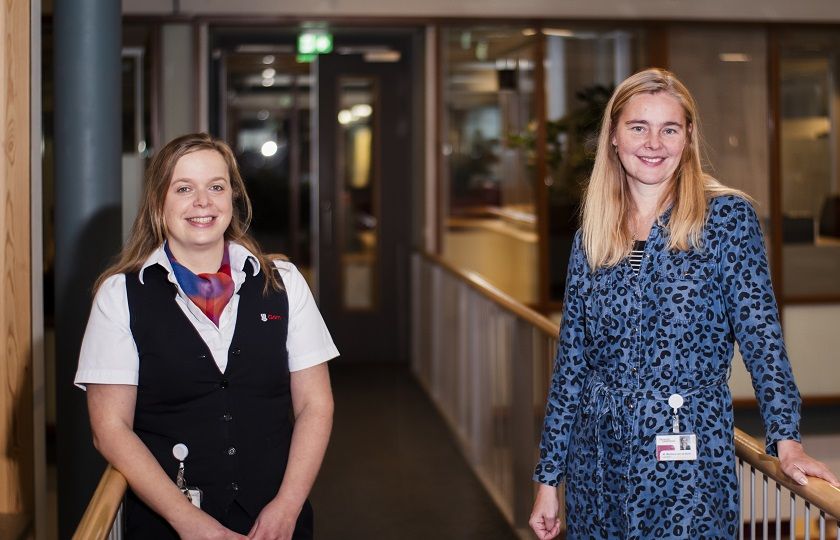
799	466
544	520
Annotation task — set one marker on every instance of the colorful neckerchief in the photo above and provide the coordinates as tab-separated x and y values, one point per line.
209	292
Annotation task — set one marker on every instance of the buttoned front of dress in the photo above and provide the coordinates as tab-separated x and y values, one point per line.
629	341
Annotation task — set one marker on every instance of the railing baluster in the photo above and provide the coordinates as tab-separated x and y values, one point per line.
764	507
807	520
741	489
822	525
117	528
778	511
792	516
752	502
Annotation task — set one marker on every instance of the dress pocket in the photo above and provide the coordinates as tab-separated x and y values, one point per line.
596	301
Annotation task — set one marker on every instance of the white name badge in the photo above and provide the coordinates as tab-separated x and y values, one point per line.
193	495
676	447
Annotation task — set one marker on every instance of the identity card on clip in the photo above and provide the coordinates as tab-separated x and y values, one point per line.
676	446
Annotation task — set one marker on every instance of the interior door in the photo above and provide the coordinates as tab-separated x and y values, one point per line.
365	172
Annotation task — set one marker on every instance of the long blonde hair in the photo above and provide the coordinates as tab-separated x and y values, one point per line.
607	207
149	229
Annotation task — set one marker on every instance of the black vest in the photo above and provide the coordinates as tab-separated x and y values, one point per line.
237	424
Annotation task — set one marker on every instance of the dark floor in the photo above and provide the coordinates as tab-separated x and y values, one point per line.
392	469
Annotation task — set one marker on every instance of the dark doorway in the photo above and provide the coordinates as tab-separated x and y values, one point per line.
365	176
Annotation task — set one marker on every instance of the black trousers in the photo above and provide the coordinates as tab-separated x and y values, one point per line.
141	522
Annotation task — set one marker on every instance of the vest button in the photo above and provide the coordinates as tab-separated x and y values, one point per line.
234	486
223	384
231	451
227	417
235	352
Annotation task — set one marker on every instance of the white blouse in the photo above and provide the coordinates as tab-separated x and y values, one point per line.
109	354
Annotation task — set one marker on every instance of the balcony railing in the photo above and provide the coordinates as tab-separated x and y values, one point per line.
776	507
486	362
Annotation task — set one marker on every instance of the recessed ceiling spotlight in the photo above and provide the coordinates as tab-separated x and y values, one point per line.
269	148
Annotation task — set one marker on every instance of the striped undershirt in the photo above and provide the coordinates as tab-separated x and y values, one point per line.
637	254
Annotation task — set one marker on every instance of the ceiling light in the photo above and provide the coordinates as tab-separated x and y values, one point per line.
559	32
345	117
362	110
382	56
734	57
269	148
269	73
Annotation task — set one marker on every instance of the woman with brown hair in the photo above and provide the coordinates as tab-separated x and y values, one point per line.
198	353
666	272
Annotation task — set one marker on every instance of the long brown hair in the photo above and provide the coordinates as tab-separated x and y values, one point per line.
607	238
149	229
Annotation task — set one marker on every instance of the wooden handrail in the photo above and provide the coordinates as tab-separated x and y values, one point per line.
99	516
491	292
818	492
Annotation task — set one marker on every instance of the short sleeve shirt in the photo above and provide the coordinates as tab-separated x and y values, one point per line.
109	354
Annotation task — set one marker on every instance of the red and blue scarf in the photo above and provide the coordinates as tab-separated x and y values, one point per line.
209	292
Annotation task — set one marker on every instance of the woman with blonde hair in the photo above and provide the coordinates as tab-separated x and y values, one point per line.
666	272
198	353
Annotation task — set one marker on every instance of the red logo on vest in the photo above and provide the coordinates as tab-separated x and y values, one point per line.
270	317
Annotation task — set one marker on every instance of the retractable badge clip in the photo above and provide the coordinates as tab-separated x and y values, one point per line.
675	401
193	494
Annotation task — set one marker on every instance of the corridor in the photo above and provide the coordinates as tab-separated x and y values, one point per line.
393	469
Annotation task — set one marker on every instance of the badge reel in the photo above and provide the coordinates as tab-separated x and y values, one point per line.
193	494
676	446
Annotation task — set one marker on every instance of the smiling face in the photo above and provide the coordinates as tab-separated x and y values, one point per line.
199	204
649	137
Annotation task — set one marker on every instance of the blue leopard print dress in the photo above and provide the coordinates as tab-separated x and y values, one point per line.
628	341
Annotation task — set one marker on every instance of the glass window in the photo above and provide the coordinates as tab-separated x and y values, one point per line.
810	171
733	106
583	66
359	185
490	144
488	89
266	120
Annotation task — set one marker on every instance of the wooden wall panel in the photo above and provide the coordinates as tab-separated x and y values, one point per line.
16	429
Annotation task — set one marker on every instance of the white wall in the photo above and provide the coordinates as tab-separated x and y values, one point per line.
812	336
753	10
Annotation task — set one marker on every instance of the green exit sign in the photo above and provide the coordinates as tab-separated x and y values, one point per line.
314	43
